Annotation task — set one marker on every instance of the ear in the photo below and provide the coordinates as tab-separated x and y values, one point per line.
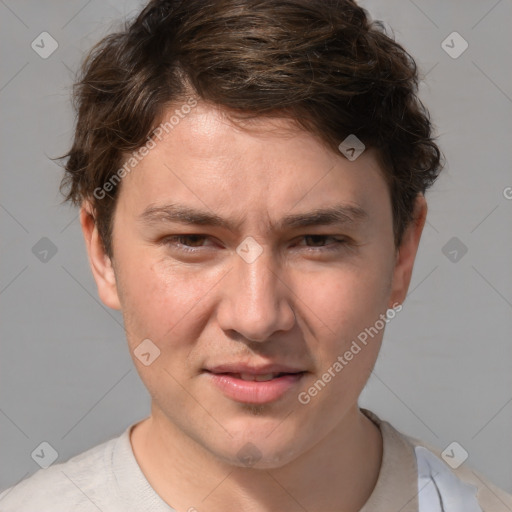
100	263
406	253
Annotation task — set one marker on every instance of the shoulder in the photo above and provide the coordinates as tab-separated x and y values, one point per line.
456	482
443	481
80	484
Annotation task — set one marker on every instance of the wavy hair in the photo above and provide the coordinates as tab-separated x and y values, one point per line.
324	64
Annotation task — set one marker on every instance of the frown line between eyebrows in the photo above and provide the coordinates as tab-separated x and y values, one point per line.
341	215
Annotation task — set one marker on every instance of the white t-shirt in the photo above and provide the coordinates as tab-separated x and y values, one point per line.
107	478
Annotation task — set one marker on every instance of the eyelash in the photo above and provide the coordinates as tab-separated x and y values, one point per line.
171	241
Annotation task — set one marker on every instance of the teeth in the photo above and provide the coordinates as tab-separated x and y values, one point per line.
258	378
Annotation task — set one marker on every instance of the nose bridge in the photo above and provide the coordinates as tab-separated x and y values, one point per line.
258	278
257	304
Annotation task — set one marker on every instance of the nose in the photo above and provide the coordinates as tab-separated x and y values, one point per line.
256	302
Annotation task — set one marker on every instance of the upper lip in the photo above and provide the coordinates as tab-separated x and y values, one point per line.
254	370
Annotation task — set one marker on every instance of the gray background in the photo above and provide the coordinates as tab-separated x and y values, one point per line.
444	373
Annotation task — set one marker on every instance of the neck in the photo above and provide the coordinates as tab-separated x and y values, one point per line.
338	473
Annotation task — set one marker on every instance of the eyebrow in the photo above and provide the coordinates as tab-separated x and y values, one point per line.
340	214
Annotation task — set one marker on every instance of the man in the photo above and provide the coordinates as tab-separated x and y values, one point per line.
251	177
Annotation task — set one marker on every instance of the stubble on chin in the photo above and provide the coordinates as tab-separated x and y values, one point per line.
254	409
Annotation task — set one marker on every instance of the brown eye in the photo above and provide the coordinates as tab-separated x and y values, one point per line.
186	243
327	242
191	240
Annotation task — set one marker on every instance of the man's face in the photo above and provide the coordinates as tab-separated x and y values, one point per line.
297	293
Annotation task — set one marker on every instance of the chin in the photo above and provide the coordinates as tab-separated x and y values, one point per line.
258	448
260	456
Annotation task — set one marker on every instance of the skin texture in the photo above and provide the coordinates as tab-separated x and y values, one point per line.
298	303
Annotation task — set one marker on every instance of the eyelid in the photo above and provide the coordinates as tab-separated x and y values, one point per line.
339	242
168	240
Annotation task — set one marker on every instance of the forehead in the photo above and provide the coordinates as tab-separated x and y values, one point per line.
256	167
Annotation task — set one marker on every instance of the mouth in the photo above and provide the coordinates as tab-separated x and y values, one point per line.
252	377
255	388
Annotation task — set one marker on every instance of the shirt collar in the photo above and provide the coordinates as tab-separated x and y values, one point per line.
397	484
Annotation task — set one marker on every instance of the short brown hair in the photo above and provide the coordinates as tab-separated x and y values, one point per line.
322	63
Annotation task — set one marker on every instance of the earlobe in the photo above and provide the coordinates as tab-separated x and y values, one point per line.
406	253
101	264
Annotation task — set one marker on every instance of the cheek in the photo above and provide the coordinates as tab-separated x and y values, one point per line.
163	302
168	306
344	301
346	308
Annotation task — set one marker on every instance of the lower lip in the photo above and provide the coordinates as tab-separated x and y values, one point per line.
252	391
